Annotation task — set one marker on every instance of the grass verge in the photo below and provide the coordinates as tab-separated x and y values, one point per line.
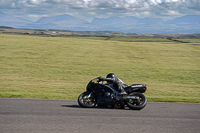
60	68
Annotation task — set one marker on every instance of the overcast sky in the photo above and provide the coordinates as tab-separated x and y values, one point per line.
89	9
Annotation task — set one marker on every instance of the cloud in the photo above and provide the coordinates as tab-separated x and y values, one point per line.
88	9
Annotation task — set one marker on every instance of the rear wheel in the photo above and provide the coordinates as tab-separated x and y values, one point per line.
137	104
87	100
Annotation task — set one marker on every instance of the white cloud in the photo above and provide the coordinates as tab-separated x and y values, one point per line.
89	9
13	5
171	12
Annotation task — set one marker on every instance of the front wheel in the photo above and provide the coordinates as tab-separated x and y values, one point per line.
87	100
137	104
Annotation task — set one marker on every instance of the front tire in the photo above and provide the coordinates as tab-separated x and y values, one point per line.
86	102
137	104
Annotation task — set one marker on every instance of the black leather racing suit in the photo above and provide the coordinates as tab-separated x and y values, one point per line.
117	83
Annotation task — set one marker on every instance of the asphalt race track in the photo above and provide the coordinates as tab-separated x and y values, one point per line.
65	116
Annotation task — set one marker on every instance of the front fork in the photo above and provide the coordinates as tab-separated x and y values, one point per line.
89	95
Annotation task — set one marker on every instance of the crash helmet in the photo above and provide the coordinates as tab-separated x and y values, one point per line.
110	75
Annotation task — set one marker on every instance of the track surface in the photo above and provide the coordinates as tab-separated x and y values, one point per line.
65	116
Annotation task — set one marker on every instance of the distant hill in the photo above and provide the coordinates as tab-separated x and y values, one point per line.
9	20
188	19
129	20
182	25
61	19
106	21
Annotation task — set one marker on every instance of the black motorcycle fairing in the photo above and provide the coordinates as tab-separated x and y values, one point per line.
136	88
107	96
103	92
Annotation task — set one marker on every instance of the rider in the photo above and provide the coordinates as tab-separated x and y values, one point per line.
117	83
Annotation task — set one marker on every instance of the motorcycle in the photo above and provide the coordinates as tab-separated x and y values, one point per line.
104	95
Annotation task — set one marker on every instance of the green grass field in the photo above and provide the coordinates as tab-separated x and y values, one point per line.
60	68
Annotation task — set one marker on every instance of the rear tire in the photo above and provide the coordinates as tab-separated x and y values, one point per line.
85	102
137	104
